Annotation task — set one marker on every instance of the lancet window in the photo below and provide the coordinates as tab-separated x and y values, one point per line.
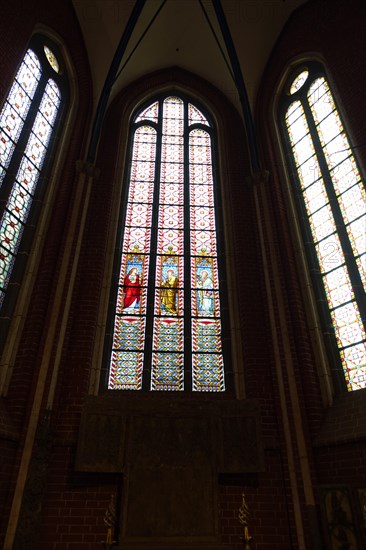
167	317
28	121
331	198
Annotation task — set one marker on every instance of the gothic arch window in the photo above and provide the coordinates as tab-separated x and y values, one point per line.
331	198
167	310
29	120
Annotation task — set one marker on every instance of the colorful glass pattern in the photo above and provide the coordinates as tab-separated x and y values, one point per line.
170	255
299	81
51	58
321	188
20	192
16	108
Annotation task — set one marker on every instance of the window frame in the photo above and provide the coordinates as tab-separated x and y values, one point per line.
221	257
317	69
36	44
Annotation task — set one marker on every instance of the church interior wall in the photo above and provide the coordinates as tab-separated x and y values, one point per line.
63	509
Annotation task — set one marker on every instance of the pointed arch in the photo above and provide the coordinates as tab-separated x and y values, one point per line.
168	289
331	199
33	147
138	104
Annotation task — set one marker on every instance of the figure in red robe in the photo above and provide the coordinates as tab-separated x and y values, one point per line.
132	289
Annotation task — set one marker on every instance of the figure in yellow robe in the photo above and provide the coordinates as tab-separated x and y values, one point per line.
169	292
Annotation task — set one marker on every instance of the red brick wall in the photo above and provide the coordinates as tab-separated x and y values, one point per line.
73	384
73	504
17	22
333	33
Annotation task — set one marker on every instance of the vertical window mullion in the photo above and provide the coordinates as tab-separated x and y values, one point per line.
187	261
152	282
28	124
317	145
21	144
338	217
178	256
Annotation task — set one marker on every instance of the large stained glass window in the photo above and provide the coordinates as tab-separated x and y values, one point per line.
332	199
27	124
167	317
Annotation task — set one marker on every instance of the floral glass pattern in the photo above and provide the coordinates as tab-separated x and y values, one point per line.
33	102
334	200
167	321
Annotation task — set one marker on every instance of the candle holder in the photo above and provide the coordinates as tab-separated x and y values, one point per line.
244	516
110	521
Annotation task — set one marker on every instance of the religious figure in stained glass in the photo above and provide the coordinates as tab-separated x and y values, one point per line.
169	241
205	293
169	292
132	290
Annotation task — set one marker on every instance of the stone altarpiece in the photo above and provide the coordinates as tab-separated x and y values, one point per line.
170	451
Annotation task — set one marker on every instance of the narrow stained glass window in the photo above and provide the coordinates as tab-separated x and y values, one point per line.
167	320
332	199
27	123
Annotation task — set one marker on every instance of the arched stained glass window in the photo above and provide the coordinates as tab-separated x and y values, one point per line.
167	314
332	201
27	125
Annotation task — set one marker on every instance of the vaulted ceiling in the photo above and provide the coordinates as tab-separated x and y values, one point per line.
183	33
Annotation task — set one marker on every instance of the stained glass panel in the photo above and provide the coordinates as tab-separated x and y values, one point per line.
201	195
361	262
168	334
319	94
322	223
357	234
299	81
336	151
169	285
126	370
309	171
206	335
315	197
171	193
132	283
51	58
353	203
167	372
330	253
6	265
200	174
208	372
203	243
348	325
303	150
205	295
21	194
129	333
16	107
195	116
344	175
354	362
11	230
150	113
134	271
169	223
293	112
338	287
298	128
